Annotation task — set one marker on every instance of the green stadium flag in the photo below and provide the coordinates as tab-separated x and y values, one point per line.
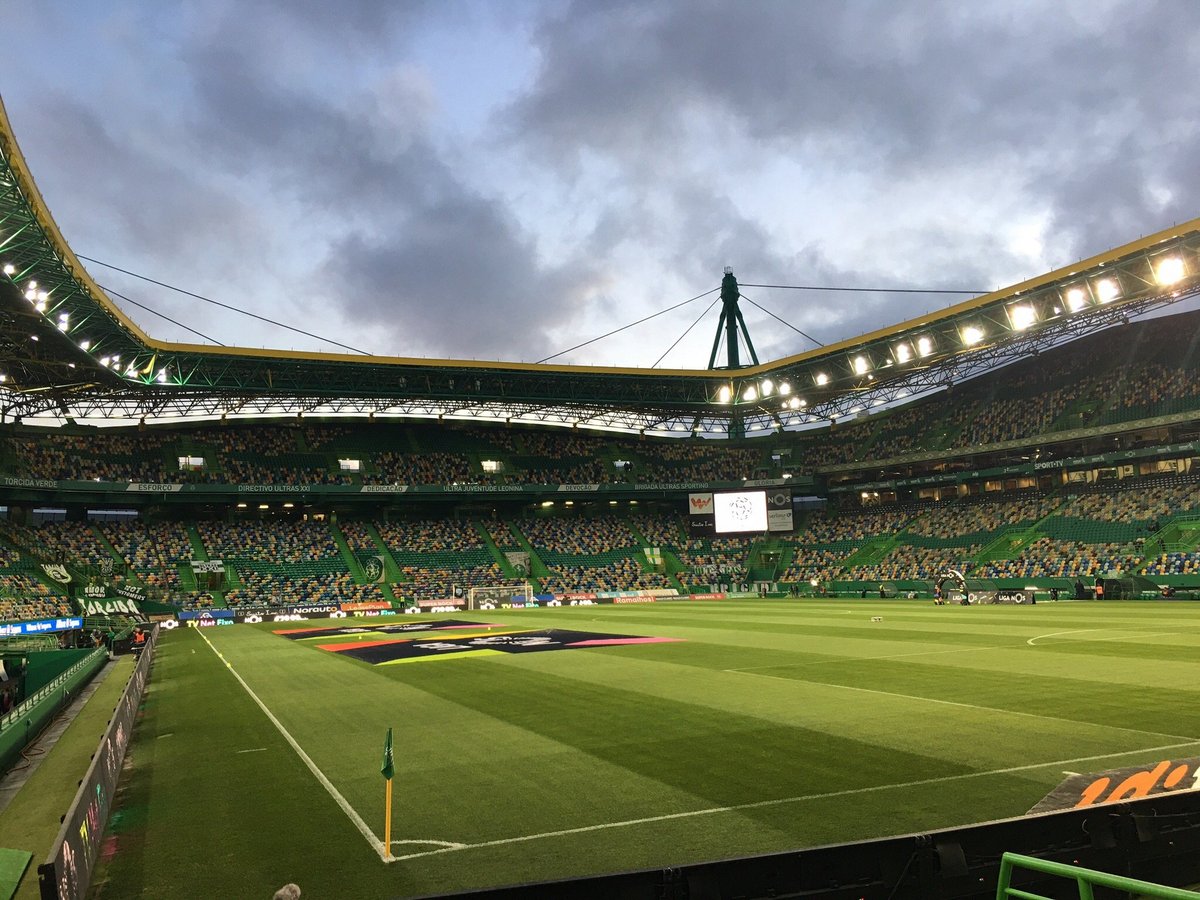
388	768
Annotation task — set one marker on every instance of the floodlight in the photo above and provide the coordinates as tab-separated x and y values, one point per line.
63	325
10	269
31	296
85	345
63	317
32	285
1107	290
902	352
972	335
785	388
162	376
1021	317
105	360
822	379
862	365
750	394
767	387
43	295
924	345
3	378
724	394
1076	299
1169	270
40	306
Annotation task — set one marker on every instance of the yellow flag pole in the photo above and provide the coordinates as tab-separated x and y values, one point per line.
387	822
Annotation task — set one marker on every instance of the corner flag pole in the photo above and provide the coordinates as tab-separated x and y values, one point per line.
388	770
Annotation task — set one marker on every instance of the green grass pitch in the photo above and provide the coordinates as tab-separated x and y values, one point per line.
773	725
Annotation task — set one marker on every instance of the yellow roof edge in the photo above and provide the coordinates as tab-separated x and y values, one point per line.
983	300
46	221
41	212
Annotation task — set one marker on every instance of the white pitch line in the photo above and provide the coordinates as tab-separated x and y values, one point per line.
782	801
351	814
252	750
992	709
1030	642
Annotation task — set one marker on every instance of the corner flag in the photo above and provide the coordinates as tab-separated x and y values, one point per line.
388	769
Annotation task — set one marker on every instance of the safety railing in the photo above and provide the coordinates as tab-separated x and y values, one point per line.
34	699
1085	879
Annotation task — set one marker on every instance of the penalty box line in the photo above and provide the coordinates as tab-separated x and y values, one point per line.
375	842
781	801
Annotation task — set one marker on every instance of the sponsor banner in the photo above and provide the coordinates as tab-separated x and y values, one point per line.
364	606
112	607
185	614
383	489
454	603
58	572
386	652
67	872
709	596
207	566
1131	783
631	599
154	487
41	626
575	595
779	509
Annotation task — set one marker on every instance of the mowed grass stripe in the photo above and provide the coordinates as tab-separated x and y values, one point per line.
462	757
580	741
197	818
976	735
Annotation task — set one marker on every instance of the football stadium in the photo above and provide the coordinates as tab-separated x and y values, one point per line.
903	616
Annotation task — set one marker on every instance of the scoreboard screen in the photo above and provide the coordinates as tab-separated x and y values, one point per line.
738	512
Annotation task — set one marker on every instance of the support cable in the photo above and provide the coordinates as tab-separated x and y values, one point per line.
784	321
160	315
685	333
235	309
624	327
861	290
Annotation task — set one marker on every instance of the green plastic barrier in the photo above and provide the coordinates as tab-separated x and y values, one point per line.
24	723
1085	879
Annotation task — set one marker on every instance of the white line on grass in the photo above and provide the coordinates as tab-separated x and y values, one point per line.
376	843
760	804
992	709
252	750
1031	641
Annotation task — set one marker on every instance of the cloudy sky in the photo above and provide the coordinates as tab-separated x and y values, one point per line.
508	179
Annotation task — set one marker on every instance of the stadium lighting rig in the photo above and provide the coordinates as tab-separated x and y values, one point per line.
69	350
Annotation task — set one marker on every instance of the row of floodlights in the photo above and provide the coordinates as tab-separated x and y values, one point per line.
1021	316
40	299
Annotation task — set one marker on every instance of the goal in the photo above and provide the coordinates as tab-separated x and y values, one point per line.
493	596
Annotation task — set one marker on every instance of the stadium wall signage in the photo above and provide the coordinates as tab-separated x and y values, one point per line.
207	566
41	626
1114	785
109	607
67	872
208	489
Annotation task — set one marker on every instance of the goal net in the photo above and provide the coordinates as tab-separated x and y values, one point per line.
493	596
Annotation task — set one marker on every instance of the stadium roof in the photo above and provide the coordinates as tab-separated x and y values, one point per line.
70	351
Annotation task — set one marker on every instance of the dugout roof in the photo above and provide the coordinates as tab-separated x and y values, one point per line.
66	349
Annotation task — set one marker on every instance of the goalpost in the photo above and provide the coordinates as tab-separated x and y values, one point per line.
493	596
